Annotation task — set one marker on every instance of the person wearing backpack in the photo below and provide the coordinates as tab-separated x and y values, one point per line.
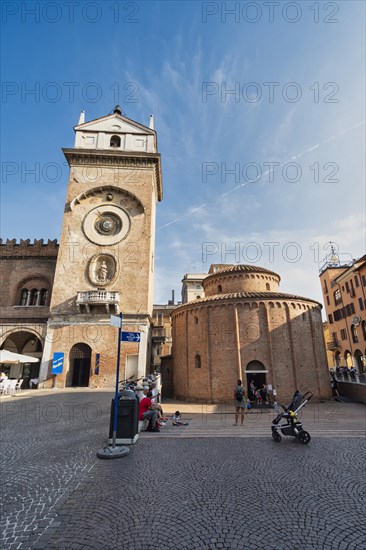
239	396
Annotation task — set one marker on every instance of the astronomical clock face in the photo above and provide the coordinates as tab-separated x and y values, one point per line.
106	225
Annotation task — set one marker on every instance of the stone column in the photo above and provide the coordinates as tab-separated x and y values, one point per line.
315	354
290	334
209	374
46	357
270	348
185	313
141	361
237	343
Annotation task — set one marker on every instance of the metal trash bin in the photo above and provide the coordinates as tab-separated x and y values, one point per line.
127	419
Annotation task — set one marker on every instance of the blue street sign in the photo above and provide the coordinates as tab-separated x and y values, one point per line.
130	337
57	362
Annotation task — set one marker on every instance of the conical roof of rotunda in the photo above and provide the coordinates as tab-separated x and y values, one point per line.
249	296
244	283
239	268
225	279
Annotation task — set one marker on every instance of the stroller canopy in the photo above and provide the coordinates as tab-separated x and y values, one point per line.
295	402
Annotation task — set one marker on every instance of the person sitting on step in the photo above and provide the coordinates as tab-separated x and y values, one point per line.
147	412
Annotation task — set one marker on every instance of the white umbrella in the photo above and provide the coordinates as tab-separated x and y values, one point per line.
10	357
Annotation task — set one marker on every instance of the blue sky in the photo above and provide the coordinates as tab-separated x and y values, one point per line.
267	174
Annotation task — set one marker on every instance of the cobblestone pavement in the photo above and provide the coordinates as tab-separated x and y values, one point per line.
177	490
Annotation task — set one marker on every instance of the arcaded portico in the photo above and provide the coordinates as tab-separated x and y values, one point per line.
245	328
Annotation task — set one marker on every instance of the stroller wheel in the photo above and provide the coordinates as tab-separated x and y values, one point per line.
276	436
304	437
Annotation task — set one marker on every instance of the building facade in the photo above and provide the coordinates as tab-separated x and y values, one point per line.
161	333
344	292
105	259
245	328
27	273
192	288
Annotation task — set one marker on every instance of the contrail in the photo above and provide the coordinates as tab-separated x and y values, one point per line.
188	213
192	210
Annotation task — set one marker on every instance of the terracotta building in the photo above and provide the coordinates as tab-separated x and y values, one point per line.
105	260
27	273
162	331
329	346
344	292
246	328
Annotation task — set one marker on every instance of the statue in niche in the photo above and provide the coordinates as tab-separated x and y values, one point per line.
103	275
102	269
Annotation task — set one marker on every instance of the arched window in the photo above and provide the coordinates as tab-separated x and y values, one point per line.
196	320
255	366
363	326
33	297
358	361
32	292
348	359
337	297
268	286
198	297
44	295
23	297
115	141
354	334
219	289
197	361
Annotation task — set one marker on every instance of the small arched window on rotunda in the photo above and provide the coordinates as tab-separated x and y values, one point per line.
115	141
268	287
197	361
219	289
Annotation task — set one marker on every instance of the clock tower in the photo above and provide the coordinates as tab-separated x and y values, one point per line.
105	263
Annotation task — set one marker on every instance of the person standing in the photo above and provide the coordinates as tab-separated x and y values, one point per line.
239	396
334	383
264	393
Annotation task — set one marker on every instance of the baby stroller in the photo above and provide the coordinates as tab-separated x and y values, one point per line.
293	426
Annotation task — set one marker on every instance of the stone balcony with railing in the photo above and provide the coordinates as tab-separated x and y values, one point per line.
333	344
89	299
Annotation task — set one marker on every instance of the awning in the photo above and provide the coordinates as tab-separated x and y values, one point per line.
10	357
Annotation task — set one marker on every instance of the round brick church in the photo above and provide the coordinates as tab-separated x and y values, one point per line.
245	328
